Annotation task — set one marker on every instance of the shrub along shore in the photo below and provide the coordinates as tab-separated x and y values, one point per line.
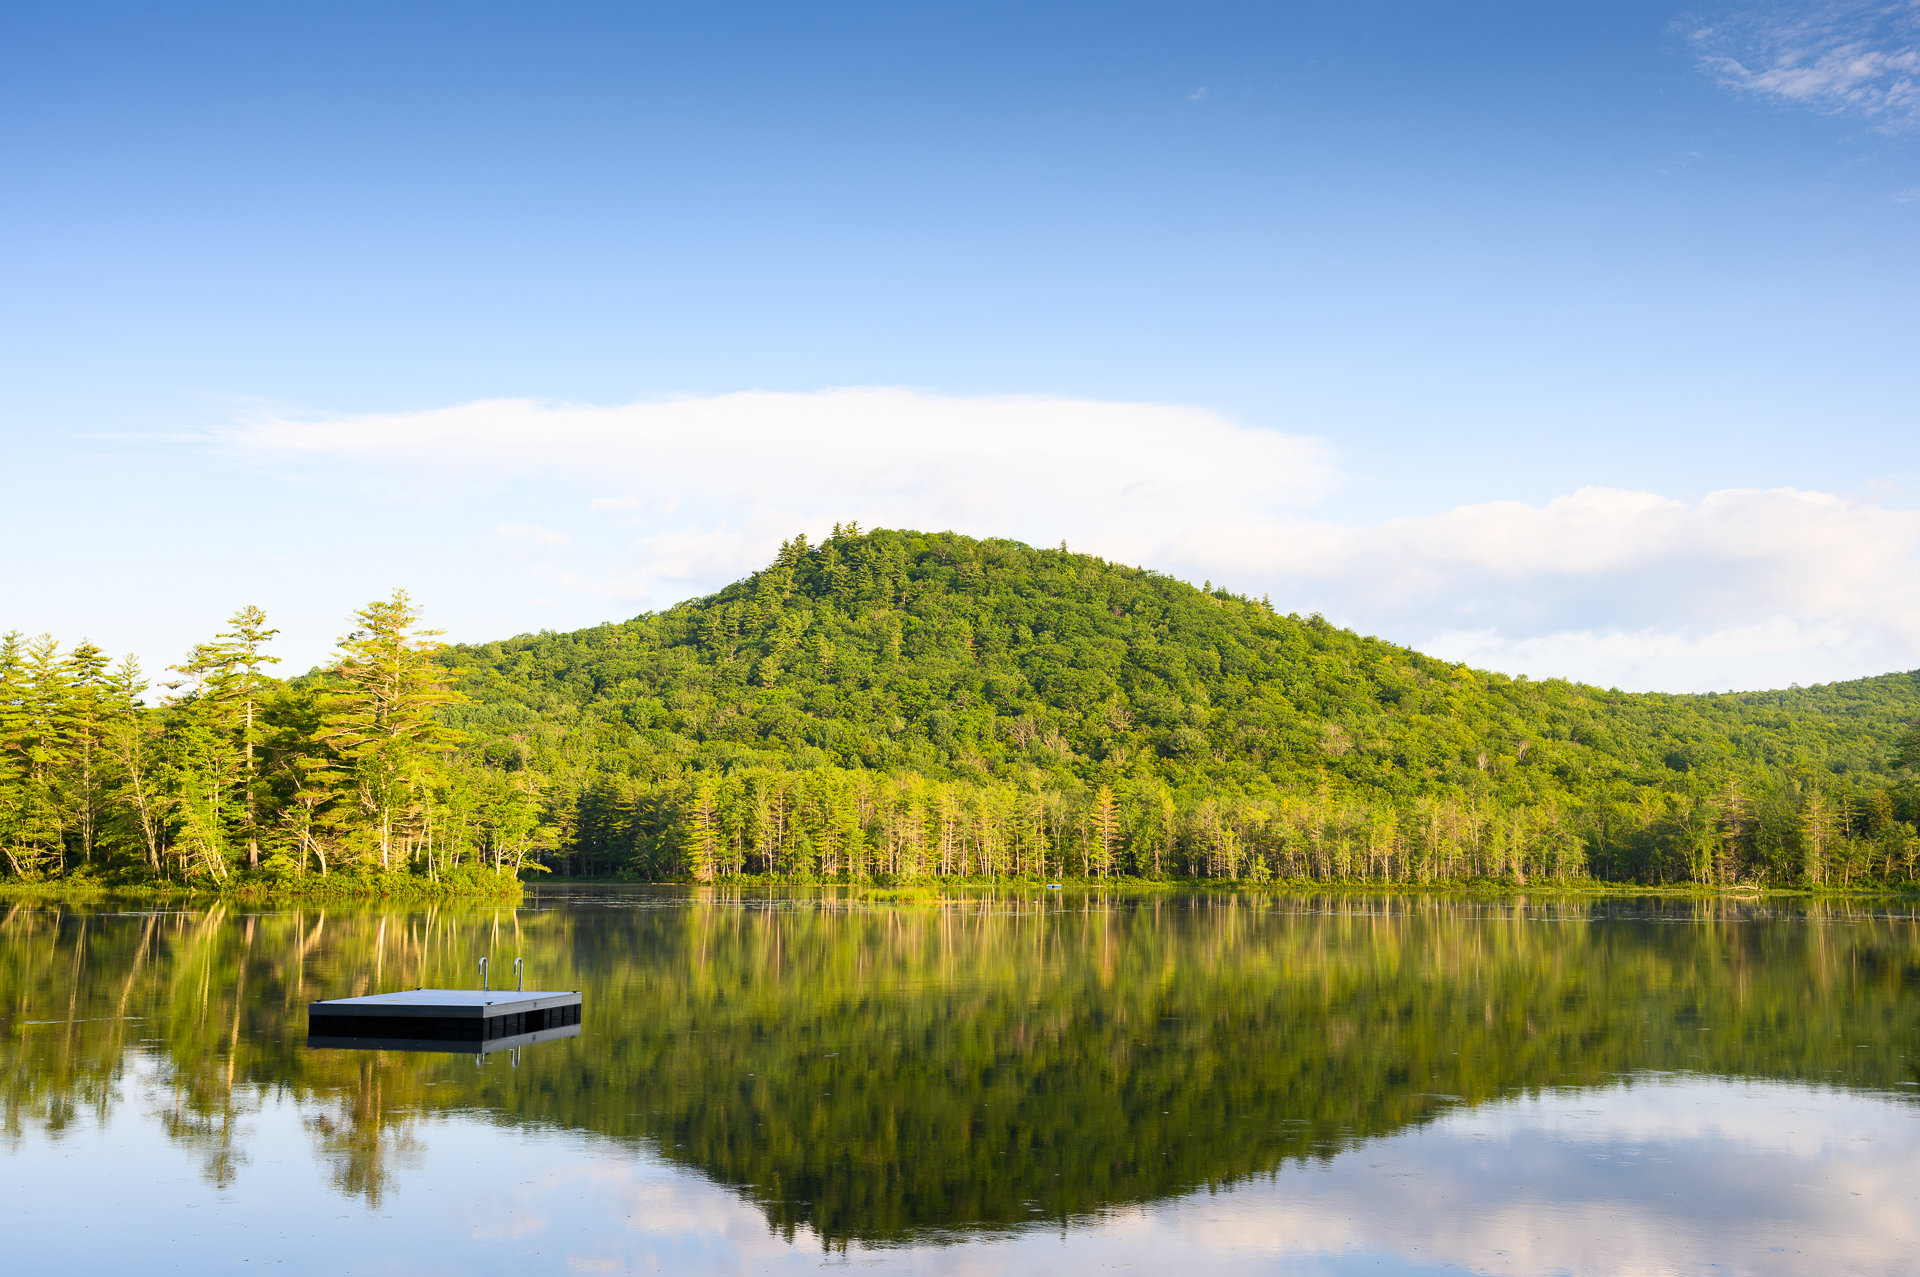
268	888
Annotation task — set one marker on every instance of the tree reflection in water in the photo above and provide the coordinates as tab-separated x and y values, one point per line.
880	1072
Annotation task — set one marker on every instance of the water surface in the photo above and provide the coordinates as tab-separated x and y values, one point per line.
1055	1084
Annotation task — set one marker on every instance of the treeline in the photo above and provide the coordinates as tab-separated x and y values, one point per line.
836	825
347	776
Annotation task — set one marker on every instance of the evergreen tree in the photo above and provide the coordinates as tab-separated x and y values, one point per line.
37	690
1105	830
13	753
129	742
701	838
381	719
87	777
215	734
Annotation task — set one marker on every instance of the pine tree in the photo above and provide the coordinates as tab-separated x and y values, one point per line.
36	735
215	734
1106	830
247	686
1163	846
1816	832
200	777
86	744
13	749
702	838
129	744
1734	822
381	719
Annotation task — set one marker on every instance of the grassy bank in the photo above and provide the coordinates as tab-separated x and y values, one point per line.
263	888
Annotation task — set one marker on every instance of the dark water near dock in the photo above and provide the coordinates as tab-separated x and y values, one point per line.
1060	1083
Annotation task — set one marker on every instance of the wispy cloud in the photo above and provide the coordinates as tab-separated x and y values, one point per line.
531	532
1743	587
1740	588
630	591
720	465
1855	57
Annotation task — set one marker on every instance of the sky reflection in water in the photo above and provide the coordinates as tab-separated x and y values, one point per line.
1301	1053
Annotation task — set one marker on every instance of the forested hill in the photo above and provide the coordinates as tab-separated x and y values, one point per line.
993	663
899	706
962	658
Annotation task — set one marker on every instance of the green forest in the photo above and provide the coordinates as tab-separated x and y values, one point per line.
896	707
348	781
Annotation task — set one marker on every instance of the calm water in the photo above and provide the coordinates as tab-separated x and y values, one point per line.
1061	1084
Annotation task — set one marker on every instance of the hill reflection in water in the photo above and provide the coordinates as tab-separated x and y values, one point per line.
884	1075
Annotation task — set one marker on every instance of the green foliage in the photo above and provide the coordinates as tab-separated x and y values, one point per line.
385	739
343	784
902	703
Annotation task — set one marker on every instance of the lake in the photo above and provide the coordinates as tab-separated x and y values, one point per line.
1065	1082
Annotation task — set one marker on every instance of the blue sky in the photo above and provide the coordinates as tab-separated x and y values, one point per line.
1568	341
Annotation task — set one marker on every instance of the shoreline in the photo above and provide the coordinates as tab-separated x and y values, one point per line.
967	888
343	889
338	887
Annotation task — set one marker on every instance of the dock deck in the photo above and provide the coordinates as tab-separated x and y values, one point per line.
466	1020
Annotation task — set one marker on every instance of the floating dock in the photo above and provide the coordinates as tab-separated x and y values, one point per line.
469	1021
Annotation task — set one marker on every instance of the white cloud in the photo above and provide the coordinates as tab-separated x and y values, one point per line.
1742	588
967	457
631	591
1771	653
1856	57
719	482
531	532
